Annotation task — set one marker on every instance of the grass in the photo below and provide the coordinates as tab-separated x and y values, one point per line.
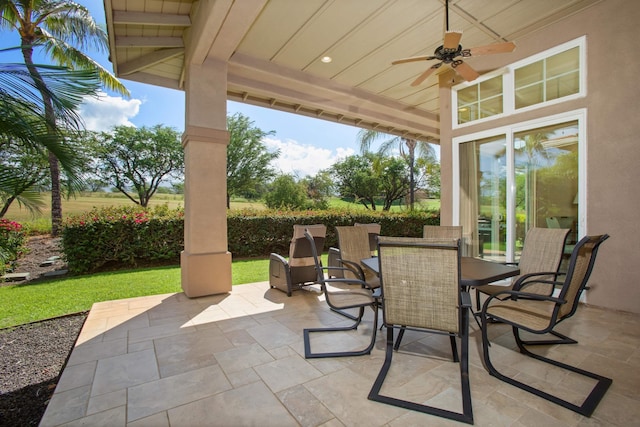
40	223
56	297
83	203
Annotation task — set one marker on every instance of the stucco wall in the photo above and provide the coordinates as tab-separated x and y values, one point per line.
613	138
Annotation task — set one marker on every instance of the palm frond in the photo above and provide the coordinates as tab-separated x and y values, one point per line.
68	56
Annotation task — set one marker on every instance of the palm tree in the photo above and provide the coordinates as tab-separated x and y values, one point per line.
24	135
63	29
407	148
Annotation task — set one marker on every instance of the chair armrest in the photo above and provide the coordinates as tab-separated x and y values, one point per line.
347	281
530	278
354	267
279	273
523	295
279	258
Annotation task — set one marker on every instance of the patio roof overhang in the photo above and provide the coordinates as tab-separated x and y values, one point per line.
274	51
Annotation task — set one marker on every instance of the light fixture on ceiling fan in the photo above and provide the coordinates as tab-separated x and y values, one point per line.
451	53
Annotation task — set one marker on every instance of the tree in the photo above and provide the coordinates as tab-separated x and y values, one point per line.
407	148
247	157
25	136
319	188
63	29
286	193
356	179
138	159
393	179
27	168
371	178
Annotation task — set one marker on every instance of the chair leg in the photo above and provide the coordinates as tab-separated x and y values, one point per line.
308	354
454	348
399	339
467	413
586	408
478	305
344	313
563	340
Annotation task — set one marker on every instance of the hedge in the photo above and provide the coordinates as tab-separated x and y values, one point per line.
128	237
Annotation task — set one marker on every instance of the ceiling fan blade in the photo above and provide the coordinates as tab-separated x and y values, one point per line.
451	40
413	59
465	70
422	77
493	48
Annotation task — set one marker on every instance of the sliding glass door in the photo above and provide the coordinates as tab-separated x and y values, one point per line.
515	180
483	199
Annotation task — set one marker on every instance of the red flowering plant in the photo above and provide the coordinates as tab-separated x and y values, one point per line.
122	237
12	244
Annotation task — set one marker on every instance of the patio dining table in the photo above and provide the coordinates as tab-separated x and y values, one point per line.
475	271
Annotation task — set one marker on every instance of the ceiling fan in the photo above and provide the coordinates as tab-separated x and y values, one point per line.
451	54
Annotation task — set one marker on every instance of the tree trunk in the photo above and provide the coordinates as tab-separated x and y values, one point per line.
56	196
50	117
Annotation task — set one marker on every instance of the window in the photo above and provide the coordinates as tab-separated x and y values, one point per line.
480	100
551	76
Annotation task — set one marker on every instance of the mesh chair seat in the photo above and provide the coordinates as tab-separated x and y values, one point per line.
530	314
343	299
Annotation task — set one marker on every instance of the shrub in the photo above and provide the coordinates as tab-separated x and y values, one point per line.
253	233
119	237
12	244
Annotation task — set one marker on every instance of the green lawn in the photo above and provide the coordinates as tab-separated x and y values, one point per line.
45	299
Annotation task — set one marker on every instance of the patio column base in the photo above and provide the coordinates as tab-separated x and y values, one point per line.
205	274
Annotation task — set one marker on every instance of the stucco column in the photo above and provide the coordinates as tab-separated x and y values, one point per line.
446	149
205	262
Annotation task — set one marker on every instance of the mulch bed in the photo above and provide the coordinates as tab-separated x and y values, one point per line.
32	356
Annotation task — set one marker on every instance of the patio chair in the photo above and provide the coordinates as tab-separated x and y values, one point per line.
374	231
442	232
542	252
539	314
435	232
420	288
299	270
334	253
355	246
338	300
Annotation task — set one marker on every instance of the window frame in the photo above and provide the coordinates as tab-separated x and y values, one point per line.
508	83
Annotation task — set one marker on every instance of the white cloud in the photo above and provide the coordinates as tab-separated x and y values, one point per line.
302	160
105	112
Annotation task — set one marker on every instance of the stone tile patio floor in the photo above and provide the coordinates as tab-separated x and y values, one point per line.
238	360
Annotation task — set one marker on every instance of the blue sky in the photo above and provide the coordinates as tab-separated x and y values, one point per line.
307	145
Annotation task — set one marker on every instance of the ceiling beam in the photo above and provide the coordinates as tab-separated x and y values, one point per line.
147	18
149	60
219	26
317	87
153	79
157	42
